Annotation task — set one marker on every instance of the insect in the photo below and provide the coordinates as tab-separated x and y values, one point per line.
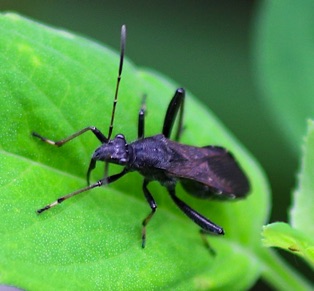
204	172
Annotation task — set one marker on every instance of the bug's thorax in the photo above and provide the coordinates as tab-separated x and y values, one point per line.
151	152
115	151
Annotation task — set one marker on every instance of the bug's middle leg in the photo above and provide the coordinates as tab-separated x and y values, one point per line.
153	207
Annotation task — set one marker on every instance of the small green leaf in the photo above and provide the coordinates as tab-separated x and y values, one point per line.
55	83
302	214
298	238
285	64
282	235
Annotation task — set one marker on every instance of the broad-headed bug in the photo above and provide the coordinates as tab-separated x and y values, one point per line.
204	172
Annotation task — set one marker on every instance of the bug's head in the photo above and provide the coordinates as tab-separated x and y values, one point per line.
115	151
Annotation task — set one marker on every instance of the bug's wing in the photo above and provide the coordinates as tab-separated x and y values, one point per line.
215	174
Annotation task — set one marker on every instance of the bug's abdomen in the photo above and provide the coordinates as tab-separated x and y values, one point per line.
199	190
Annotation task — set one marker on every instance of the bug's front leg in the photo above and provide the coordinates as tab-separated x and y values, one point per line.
61	142
153	207
104	181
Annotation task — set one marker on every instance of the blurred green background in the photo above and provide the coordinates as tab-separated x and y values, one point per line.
206	47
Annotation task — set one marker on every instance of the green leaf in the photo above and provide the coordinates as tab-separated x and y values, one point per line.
55	83
302	214
285	64
298	238
282	235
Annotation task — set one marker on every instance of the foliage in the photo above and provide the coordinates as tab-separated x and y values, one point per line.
56	83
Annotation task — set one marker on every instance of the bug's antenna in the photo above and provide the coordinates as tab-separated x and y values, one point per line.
122	49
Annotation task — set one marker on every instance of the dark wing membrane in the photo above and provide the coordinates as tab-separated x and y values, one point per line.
213	173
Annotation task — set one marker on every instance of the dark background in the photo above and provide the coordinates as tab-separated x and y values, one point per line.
205	46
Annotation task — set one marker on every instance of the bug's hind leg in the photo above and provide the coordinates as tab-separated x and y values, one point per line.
141	120
207	226
176	104
153	207
207	245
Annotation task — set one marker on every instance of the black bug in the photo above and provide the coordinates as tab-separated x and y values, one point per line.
204	172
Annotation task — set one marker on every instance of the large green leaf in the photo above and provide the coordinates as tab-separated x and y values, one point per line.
56	83
285	64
